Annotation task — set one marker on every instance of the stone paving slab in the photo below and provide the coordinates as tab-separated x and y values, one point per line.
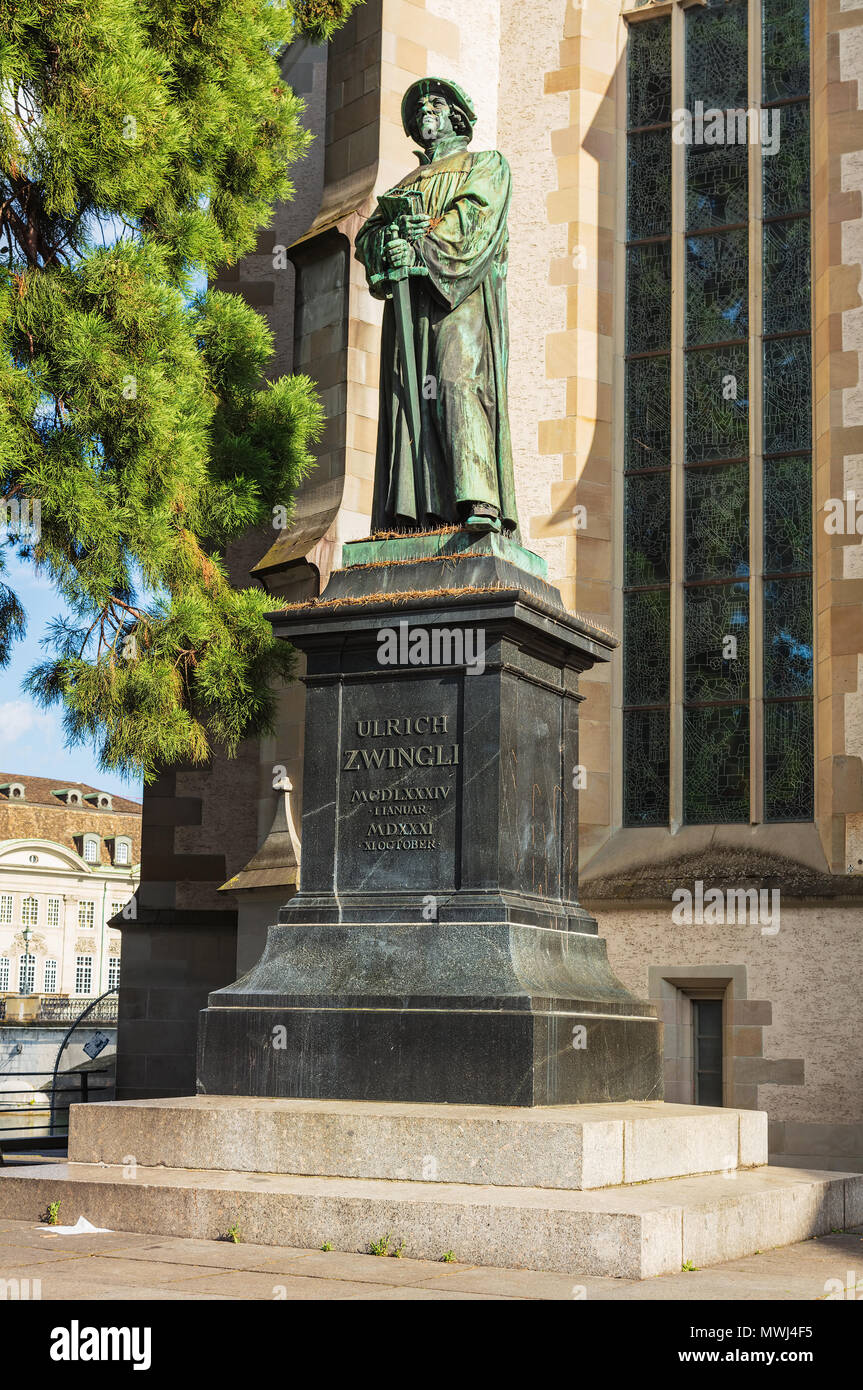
375	1269
173	1268
210	1254
75	1245
244	1284
420	1294
523	1283
133	1293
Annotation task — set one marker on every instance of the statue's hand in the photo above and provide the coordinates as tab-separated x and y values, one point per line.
414	225
400	253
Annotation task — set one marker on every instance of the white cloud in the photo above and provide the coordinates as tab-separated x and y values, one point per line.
18	717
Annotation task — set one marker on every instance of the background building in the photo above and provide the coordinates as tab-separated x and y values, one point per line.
686	401
69	862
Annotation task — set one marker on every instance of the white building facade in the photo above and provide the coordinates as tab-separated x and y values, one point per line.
59	889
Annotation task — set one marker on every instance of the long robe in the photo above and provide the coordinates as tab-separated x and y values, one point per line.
461	340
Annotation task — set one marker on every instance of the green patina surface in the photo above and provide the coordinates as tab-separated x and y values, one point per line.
436	250
440	544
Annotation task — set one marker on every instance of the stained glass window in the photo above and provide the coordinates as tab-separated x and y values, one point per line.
645	636
788	636
787	276
788	768
716	418
717	56
717	403
717	185
717	521
787	394
787	417
648	187
649	75
785	49
709	485
648	296
646	554
717	287
716	769
716	643
647	411
786	171
787	514
645	757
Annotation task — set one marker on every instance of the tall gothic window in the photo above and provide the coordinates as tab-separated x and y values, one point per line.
717	629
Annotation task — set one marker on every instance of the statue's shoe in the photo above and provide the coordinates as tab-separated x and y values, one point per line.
480	524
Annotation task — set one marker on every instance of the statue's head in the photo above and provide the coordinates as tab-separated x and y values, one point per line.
434	108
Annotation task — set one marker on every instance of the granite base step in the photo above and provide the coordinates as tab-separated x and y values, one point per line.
625	1190
631	1231
561	1146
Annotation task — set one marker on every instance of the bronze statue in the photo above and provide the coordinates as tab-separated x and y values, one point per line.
436	249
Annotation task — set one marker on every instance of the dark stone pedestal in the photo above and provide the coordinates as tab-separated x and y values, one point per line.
436	950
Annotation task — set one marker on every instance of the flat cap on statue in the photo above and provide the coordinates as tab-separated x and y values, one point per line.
426	86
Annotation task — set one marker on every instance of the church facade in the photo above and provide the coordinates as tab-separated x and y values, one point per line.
686	411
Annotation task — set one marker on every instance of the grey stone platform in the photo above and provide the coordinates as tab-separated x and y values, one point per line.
627	1191
561	1146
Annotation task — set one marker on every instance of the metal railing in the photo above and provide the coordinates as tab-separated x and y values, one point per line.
55	1129
59	1010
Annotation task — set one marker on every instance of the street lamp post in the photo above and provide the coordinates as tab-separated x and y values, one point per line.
27	932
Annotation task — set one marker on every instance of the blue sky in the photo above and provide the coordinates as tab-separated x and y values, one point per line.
33	739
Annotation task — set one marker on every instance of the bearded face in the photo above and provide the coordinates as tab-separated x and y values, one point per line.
433	119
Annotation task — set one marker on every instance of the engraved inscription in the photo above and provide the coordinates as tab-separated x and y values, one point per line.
404	816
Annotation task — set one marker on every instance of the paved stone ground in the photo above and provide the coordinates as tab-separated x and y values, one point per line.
121	1265
141	1268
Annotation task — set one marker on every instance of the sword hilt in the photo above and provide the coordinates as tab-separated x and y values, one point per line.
396	272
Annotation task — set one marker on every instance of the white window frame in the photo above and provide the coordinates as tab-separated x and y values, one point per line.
54	914
86	914
122	852
84	973
29	911
113	972
7	905
27	974
5	964
90	848
49	976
